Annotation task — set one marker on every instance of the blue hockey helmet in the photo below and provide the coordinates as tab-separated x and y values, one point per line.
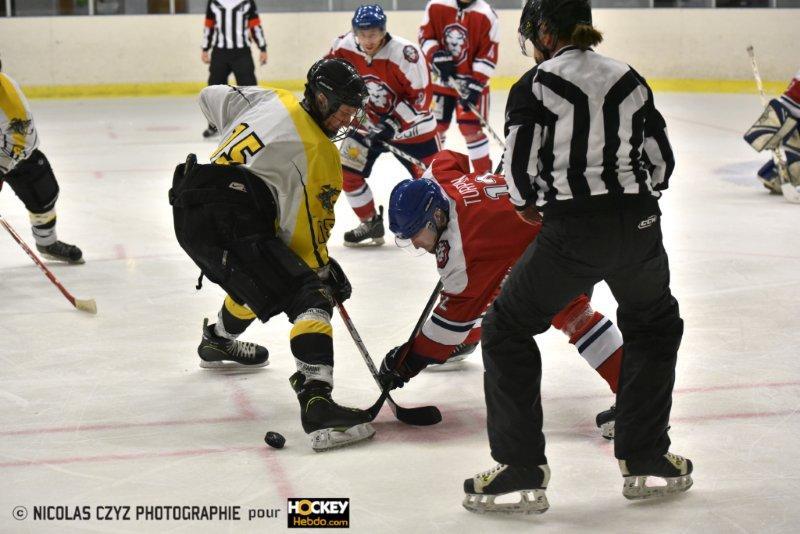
412	205
369	16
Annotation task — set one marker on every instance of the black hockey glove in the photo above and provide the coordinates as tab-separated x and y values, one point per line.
337	281
443	64
471	91
383	131
398	368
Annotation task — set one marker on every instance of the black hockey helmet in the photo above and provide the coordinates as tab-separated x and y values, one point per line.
560	16
341	84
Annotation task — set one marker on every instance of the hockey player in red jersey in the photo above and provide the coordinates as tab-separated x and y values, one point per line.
779	127
476	237
398	113
460	39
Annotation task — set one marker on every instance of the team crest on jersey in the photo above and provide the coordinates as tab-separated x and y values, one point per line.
327	197
381	97
19	126
411	54
455	37
442	253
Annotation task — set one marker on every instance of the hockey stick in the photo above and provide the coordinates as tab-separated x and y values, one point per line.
376	407
484	123
402	155
421	416
88	306
790	192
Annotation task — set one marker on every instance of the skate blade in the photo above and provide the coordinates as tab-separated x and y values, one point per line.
375	242
455	363
635	488
607	430
228	364
328	439
50	257
531	502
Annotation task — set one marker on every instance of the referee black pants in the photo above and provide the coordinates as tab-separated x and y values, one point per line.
570	255
238	61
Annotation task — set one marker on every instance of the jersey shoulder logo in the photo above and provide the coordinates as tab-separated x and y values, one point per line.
381	97
442	253
456	39
411	54
327	197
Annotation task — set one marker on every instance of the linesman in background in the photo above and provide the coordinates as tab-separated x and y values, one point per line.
229	25
26	169
587	151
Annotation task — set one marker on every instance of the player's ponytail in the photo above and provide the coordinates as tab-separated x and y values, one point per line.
585	36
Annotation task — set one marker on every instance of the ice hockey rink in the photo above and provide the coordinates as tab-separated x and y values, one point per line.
113	409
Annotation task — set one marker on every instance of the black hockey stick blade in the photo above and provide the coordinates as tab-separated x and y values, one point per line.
419	416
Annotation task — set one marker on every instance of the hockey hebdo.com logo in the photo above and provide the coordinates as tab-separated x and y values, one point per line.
318	513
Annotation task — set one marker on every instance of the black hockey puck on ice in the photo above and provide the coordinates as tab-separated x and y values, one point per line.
274	440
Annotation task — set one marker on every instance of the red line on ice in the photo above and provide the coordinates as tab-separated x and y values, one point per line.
119	426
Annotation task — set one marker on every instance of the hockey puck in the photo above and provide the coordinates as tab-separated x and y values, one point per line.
274	440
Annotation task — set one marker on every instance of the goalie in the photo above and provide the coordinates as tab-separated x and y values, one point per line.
778	128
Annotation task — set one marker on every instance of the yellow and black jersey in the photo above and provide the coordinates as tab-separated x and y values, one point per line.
270	134
18	137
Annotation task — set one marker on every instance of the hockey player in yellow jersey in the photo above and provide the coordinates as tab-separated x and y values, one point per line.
256	221
28	172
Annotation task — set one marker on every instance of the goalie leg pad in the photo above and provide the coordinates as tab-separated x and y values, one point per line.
771	128
34	183
792	149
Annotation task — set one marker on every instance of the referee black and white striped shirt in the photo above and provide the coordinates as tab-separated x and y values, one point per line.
228	23
582	134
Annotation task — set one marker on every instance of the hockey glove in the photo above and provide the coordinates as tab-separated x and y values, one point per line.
398	368
335	280
443	64
383	131
471	91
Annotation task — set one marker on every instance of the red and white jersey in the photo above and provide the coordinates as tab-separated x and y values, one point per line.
398	81
791	98
483	239
470	35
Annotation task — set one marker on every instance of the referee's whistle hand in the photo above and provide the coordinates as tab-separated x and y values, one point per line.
204	57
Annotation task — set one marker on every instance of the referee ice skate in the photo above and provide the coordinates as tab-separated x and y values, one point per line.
587	149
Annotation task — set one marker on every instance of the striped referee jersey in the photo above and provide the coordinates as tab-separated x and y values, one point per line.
582	134
228	23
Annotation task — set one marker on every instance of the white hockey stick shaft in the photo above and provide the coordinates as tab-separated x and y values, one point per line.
88	306
790	192
402	155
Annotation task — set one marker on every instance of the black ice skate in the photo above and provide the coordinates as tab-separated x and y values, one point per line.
60	251
367	234
529	482
452	363
330	425
675	470
211	131
605	421
218	352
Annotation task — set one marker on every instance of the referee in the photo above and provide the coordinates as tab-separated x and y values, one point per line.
228	23
587	152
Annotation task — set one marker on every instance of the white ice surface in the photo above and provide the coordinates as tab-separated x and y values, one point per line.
113	409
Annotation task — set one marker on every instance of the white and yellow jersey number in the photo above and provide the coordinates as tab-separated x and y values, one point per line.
237	147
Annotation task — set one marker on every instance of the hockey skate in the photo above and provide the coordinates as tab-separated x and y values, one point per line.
675	470
530	484
367	234
60	251
219	353
605	421
211	131
330	425
453	361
